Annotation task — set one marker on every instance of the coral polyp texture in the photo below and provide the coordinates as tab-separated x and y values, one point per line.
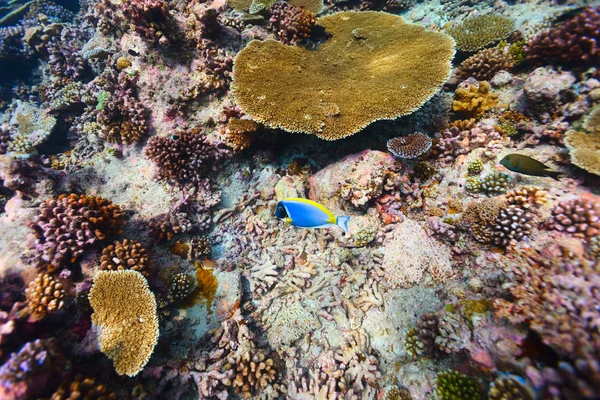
125	313
574	41
126	254
411	146
584	148
67	225
45	295
291	25
580	216
480	31
336	90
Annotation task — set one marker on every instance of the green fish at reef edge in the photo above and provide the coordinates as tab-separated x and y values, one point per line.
528	166
305	213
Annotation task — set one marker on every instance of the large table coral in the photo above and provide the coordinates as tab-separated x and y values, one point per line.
374	66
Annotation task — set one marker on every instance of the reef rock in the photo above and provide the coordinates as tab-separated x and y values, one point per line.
544	89
355	179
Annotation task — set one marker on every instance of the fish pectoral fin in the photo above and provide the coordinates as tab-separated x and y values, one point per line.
288	220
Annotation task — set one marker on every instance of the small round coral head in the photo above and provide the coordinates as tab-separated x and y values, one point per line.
304	213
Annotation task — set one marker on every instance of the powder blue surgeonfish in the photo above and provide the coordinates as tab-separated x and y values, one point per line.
305	213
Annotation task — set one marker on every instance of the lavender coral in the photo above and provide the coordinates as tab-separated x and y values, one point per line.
574	41
186	158
292	25
579	216
67	225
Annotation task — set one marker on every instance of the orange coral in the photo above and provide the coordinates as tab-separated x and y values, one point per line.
473	99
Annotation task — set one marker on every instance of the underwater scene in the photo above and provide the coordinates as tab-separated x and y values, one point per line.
300	199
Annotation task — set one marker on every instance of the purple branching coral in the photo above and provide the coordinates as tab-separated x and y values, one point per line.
121	115
67	225
580	216
291	25
63	55
12	45
574	41
149	18
454	142
186	158
27	372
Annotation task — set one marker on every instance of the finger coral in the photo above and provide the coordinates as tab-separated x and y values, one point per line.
125	311
509	388
473	98
186	158
45	295
239	133
573	41
346	84
495	182
512	224
484	64
579	216
291	25
411	146
67	225
480	31
125	254
83	388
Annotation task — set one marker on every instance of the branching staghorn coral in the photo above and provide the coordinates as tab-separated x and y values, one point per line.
67	225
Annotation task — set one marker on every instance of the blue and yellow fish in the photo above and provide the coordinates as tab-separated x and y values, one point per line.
305	213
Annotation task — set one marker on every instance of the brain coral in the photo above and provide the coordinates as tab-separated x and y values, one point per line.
125	310
373	66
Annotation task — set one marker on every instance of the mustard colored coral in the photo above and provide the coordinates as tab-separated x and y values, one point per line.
373	66
480	31
584	148
125	311
473	99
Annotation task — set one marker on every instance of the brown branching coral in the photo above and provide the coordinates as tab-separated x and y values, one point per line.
473	99
527	197
484	64
125	254
167	225
411	146
427	332
45	295
557	296
480	31
480	217
65	226
509	388
291	25
239	133
316	91
186	158
254	370
125	311
82	388
513	223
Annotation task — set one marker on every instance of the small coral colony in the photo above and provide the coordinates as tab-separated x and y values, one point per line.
172	174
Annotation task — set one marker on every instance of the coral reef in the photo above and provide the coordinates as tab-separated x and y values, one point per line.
411	146
292	25
124	255
509	388
495	182
480	31
186	158
484	64
81	387
67	225
454	385
304	95
473	98
45	295
572	42
583	148
579	216
125	311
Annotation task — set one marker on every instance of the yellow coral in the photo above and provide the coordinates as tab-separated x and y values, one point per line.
373	66
125	311
314	6
585	148
474	100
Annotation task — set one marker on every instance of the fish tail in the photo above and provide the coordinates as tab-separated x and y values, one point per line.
342	222
553	174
